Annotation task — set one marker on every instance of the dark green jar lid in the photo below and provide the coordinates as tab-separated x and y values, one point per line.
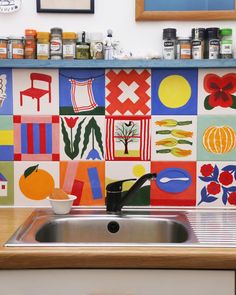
226	32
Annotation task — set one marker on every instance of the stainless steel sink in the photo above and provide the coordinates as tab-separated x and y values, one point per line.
94	227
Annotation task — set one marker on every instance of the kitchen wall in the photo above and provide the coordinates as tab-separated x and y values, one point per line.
118	15
97	126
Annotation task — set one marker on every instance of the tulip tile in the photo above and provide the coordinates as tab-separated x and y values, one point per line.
6	183
35	92
217	91
216	184
85	179
174	91
174	138
175	184
130	170
82	138
34	182
128	92
216	138
6	101
82	92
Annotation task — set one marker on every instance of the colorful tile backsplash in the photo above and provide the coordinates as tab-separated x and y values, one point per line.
81	129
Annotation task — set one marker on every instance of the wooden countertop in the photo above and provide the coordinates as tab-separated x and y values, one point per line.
104	257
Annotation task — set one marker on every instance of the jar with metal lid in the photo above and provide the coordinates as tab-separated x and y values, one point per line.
30	44
213	43
16	47
3	47
56	43
198	43
82	46
184	48
43	45
169	43
69	44
226	43
96	46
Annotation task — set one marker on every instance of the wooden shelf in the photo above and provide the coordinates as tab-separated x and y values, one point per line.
119	64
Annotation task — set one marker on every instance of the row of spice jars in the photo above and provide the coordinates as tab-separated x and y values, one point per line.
55	45
210	43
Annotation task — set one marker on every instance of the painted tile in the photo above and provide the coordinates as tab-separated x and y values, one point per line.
216	184
128	92
85	179
175	184
6	183
174	138
216	138
128	138
217	91
82	92
6	101
82	137
116	171
6	138
174	92
36	138
34	181
35	92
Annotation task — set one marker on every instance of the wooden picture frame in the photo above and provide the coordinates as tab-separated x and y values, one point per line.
143	14
65	6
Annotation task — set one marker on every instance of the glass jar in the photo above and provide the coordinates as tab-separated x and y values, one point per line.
69	44
3	47
226	43
30	44
56	43
213	43
169	43
198	43
16	47
82	46
184	48
96	46
43	45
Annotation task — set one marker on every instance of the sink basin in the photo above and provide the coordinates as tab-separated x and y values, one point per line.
94	227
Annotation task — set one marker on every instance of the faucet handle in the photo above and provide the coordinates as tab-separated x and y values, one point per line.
117	186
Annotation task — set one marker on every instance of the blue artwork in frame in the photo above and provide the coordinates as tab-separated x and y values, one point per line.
174	91
185	9
6	101
82	91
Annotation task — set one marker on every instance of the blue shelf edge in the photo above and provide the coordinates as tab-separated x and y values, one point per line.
119	64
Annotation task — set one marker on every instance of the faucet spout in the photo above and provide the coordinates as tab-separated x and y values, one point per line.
114	199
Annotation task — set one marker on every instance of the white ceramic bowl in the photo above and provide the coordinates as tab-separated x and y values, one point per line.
62	206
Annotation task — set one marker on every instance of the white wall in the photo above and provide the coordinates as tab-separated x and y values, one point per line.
116	14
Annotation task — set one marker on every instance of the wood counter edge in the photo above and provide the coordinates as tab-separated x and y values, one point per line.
127	257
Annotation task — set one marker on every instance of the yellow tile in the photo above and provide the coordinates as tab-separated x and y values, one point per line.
6	137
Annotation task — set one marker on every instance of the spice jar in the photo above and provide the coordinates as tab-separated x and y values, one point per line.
16	47
43	45
226	43
198	43
69	44
3	47
184	48
96	46
169	44
56	43
30	44
212	43
82	46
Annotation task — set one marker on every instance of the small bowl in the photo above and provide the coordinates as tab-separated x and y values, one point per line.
62	206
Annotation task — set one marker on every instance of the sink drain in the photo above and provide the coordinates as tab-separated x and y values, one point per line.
113	227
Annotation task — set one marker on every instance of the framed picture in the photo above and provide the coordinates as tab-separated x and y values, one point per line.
65	6
185	10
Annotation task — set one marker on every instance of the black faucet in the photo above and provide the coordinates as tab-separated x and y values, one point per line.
114	199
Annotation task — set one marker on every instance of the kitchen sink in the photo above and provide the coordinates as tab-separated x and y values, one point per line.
94	227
